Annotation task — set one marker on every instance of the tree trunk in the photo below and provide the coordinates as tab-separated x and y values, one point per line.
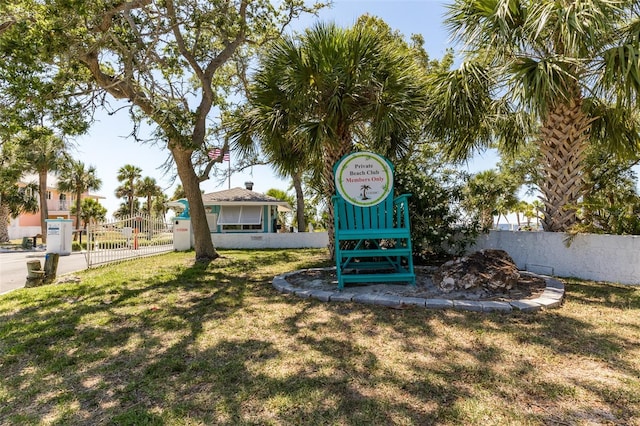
203	243
131	204
486	218
564	137
4	223
78	207
332	155
297	185
44	209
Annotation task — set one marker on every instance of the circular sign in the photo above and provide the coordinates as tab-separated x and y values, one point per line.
364	178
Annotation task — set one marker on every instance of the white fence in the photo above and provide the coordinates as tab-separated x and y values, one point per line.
129	238
612	258
271	240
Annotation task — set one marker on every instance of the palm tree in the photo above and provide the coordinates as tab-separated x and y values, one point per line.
528	213
520	207
91	211
148	188
77	179
159	207
561	72
179	193
124	210
320	91
488	194
45	154
365	188
286	158
538	207
128	175
301	221
283	196
14	199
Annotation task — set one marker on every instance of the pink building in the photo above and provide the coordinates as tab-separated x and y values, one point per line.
59	207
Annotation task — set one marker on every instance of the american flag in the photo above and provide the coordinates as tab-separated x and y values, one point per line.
215	153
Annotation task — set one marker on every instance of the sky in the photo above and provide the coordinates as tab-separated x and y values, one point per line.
108	147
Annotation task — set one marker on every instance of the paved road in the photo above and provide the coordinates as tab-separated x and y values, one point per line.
13	267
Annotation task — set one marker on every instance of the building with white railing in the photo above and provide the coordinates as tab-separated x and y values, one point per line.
59	206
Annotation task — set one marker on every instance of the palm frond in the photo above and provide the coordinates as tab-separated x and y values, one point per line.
618	74
481	23
537	84
614	127
460	102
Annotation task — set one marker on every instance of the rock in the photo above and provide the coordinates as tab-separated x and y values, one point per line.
485	269
65	279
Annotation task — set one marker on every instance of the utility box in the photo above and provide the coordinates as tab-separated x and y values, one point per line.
59	236
182	234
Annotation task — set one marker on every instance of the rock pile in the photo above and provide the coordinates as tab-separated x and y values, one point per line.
483	270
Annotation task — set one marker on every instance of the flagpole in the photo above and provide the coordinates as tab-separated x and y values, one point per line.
229	162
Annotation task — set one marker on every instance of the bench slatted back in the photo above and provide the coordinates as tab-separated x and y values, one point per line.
349	216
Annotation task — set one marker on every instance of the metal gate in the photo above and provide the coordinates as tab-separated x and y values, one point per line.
129	238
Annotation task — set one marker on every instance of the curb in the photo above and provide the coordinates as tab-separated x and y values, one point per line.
552	297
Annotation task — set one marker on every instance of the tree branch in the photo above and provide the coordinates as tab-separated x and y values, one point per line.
108	15
207	170
175	28
199	130
230	47
6	25
121	89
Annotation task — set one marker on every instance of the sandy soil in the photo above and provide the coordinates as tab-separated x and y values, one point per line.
529	286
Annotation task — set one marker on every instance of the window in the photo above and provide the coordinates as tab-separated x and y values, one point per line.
26	191
212	220
240	218
63	202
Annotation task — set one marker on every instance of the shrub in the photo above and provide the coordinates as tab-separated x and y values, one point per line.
439	228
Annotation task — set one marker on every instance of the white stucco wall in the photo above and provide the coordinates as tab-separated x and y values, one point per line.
611	258
271	240
16	232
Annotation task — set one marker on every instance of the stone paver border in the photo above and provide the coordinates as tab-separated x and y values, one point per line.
552	297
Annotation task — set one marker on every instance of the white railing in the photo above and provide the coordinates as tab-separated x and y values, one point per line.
58	205
128	238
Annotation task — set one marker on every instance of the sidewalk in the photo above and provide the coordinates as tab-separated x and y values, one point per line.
18	249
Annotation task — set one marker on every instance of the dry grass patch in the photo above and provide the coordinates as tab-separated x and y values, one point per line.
167	341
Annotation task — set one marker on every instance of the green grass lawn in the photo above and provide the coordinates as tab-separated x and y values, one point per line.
165	341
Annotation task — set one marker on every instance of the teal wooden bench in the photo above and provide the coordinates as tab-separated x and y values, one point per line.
373	243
